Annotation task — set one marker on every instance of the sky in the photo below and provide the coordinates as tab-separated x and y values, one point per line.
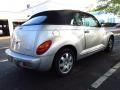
19	5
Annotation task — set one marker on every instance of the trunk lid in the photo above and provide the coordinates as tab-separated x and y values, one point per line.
24	39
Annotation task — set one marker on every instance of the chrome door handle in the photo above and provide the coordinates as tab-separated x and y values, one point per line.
86	31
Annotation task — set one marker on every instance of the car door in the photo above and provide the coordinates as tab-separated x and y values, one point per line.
78	30
93	35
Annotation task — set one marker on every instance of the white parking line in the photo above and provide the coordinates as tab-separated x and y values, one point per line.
5	60
103	78
4	48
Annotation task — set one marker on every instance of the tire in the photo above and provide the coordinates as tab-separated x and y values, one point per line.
110	44
63	62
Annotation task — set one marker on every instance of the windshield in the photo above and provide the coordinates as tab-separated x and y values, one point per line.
36	20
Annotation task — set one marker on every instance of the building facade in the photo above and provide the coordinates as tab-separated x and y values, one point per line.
9	20
105	17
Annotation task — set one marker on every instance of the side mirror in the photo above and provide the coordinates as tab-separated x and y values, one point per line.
1	32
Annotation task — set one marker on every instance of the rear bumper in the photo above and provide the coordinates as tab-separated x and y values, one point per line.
25	61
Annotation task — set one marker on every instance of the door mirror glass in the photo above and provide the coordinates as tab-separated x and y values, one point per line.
102	24
1	32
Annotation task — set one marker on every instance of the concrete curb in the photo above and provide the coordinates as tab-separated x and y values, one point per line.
6	37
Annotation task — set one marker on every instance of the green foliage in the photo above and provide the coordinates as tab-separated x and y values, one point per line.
115	1
109	6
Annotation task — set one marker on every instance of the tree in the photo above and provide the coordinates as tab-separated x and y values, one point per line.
109	6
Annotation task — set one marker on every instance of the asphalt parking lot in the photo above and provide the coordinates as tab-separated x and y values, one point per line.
84	76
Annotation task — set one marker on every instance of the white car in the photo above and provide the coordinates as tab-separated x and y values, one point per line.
57	38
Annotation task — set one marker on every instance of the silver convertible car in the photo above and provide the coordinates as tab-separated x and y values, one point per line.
56	39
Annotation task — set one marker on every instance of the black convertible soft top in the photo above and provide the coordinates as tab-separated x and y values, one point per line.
58	17
58	13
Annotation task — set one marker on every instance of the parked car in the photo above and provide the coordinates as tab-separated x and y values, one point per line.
114	27
57	39
117	25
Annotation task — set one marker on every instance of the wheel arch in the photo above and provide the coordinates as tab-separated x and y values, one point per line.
70	47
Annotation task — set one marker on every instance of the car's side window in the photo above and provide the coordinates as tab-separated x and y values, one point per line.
76	20
89	21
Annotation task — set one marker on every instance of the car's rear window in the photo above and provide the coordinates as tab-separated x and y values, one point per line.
35	21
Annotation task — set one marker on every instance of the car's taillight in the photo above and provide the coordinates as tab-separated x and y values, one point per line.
43	47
